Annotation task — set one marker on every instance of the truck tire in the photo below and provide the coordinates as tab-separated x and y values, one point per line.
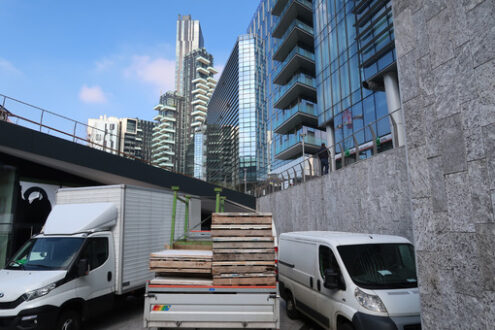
290	306
69	320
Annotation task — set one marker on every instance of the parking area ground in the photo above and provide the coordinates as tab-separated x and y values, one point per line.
130	317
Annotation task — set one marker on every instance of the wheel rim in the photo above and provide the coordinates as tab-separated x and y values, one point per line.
67	324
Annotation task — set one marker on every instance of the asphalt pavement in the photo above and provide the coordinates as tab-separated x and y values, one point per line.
129	316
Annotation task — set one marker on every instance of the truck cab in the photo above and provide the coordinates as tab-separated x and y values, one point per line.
348	281
57	279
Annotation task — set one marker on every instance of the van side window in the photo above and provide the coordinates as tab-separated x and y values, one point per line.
326	260
96	251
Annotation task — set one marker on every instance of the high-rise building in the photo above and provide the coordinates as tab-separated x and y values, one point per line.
189	37
127	136
236	131
165	146
198	88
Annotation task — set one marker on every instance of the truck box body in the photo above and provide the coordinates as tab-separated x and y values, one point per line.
143	225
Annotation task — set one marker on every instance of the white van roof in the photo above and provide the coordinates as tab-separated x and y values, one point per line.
336	238
77	218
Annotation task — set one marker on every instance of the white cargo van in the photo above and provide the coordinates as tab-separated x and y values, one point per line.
94	247
347	281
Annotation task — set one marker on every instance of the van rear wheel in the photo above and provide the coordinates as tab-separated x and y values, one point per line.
290	307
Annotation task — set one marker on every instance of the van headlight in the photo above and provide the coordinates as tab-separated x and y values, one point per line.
30	295
369	301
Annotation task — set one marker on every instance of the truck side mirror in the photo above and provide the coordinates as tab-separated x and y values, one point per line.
82	267
331	279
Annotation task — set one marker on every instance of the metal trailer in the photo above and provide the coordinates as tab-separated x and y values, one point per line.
214	307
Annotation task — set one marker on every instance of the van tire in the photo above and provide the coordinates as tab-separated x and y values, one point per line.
345	326
69	320
290	306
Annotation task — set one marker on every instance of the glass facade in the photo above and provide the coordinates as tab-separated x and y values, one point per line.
236	121
343	102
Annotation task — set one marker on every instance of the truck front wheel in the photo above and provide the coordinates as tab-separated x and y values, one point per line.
69	320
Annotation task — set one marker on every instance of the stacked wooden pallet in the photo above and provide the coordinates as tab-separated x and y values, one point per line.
243	249
181	262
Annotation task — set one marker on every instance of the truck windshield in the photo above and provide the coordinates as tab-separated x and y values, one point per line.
53	253
380	266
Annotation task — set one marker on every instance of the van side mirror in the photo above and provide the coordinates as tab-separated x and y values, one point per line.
332	279
82	267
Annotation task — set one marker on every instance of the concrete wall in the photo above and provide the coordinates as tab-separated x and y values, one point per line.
446	60
370	196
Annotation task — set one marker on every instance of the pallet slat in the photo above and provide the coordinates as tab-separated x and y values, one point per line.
217	270
241	220
243	245
243	257
268	281
241	233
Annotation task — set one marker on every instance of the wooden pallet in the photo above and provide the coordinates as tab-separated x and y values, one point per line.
243	249
186	262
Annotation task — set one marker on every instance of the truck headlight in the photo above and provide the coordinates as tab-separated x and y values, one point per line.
369	301
30	295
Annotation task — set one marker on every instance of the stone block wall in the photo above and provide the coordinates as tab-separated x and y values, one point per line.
369	196
446	63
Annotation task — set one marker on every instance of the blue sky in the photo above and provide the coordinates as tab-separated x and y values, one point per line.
88	58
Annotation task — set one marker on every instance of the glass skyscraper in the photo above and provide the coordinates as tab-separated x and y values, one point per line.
236	122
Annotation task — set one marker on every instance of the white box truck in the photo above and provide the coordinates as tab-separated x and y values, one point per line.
94	247
348	281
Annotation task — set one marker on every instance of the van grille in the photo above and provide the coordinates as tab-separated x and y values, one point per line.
12	304
412	327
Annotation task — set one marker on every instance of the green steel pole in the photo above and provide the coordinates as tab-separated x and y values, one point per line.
217	205
186	216
222	203
174	209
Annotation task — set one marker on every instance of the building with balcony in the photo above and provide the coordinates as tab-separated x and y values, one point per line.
104	133
199	84
294	119
236	120
165	146
136	138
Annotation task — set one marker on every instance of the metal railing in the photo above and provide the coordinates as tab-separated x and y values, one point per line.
344	152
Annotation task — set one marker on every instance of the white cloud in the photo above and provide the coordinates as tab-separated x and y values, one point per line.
104	64
158	72
93	94
8	67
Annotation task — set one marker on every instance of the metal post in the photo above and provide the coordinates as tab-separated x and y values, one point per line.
245	180
303	153
186	216
373	135
41	119
356	147
217	204
222	203
342	154
310	167
174	209
295	175
302	171
75	127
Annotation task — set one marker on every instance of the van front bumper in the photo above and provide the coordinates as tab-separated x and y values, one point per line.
41	318
363	321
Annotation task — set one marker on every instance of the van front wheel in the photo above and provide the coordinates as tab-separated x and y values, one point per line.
69	320
290	307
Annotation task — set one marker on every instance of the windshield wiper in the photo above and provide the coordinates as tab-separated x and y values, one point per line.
41	266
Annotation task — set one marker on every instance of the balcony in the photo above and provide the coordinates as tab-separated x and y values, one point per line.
202	86
300	86
203	60
201	107
198	113
203	97
158	117
298	33
212	80
291	145
198	101
212	70
168	119
199	90
301	9
278	7
299	59
303	113
202	70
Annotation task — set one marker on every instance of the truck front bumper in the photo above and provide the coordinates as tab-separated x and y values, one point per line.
41	318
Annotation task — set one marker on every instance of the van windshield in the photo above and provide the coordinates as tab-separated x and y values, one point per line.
47	253
380	266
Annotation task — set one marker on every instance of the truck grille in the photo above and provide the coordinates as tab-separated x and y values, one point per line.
412	327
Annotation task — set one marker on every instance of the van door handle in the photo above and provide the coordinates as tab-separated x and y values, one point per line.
311	282
318	284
